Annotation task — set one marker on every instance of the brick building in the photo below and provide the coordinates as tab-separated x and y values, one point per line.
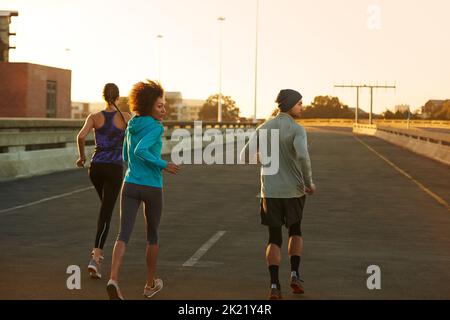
30	90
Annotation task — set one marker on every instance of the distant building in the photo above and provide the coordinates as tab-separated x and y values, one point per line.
182	109
31	90
191	108
432	106
80	110
5	21
174	101
96	106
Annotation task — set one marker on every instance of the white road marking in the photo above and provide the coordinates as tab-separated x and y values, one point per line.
45	200
203	249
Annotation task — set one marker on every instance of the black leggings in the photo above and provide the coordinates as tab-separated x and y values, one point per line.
107	180
275	234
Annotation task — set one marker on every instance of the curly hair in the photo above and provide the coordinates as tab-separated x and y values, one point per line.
143	96
110	93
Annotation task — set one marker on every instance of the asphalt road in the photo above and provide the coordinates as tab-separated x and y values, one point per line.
365	212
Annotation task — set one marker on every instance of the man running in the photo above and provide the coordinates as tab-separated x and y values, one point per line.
283	194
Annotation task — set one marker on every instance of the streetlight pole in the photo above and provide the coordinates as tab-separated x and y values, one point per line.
219	112
67	51
159	37
357	105
371	105
256	60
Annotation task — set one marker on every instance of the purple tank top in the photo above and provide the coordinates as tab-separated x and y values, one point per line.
108	141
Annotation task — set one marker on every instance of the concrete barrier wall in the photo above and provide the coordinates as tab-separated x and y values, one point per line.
429	144
28	163
326	122
39	146
442	124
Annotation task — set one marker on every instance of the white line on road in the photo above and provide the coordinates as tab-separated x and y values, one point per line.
203	249
45	200
404	173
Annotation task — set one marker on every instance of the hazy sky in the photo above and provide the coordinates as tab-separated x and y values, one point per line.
303	44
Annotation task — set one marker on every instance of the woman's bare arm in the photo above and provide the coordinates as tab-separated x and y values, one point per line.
81	139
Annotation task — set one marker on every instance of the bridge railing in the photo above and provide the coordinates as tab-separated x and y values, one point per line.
443	124
430	137
40	134
36	146
434	145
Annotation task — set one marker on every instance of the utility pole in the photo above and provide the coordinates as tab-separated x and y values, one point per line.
159	37
371	87
219	111
256	61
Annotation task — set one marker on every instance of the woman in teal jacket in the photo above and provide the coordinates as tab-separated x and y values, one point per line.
143	181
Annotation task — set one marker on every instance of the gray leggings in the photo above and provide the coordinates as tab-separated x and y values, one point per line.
131	198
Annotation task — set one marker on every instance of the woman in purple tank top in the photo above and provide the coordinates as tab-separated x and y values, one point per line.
106	168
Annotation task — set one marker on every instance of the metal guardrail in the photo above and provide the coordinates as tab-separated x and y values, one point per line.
433	145
431	137
27	124
444	124
18	134
27	134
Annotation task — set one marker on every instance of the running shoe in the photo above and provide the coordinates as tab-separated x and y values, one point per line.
113	291
94	268
275	294
151	291
296	285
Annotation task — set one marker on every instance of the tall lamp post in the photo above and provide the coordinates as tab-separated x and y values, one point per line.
219	113
256	61
159	37
67	57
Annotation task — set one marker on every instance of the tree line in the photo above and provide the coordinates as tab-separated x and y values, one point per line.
322	107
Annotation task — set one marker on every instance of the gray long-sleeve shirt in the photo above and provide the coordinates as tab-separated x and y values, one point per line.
294	172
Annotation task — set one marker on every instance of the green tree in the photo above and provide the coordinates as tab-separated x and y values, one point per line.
327	107
209	111
388	114
399	115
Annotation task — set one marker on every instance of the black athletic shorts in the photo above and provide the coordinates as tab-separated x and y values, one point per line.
276	212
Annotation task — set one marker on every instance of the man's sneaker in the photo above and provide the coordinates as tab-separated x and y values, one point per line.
113	290
296	285
275	294
94	268
151	291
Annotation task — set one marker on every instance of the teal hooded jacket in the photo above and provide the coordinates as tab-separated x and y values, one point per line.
142	151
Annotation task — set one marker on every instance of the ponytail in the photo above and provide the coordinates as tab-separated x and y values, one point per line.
120	112
110	94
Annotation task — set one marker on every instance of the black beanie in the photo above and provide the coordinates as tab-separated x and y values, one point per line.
288	98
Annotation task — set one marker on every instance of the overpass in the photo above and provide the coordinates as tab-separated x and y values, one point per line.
376	204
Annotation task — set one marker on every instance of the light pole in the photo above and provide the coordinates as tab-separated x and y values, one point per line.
256	60
409	118
159	37
67	54
219	111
